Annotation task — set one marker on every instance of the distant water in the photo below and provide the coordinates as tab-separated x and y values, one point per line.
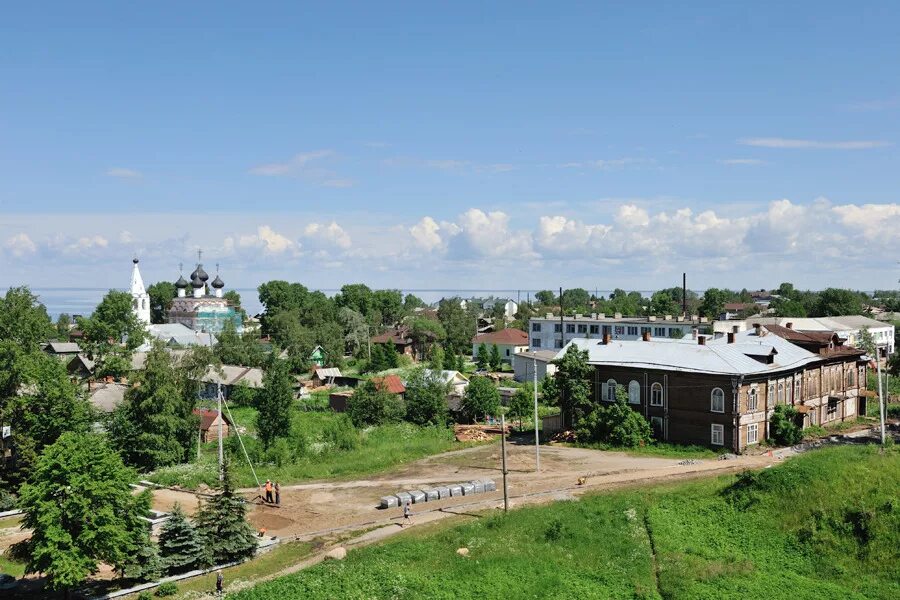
81	301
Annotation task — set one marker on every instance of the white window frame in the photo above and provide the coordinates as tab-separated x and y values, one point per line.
770	394
656	394
781	398
753	399
712	400
798	390
634	392
714	429
752	433
610	395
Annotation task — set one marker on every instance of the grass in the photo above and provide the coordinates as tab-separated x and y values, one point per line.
663	449
313	451
825	524
11	567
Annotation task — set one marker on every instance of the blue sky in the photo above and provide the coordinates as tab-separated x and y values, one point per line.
464	145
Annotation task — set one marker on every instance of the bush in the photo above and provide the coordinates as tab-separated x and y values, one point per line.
341	434
371	406
893	411
783	426
616	424
145	596
7	501
167	589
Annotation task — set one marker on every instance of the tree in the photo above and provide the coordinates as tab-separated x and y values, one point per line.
412	302
494	358
426	399
867	342
616	424
498	314
234	299
786	307
457	324
274	402
545	298
836	302
23	319
437	357
233	348
356	296
63	324
576	300
522	403
390	304
242	395
573	380
113	328
161	295
481	399
662	303
356	329
79	506
370	404
483	358
713	303
424	332
180	545
222	524
154	426
783	427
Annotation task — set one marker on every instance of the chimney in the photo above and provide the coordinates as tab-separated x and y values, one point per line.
735	329
694	317
694	332
617	315
606	339
578	315
758	328
601	316
701	340
668	317
651	318
548	316
730	337
789	325
645	336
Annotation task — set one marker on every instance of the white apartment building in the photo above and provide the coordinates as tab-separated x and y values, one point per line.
847	327
551	333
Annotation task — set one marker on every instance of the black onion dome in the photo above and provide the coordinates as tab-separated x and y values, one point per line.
196	282
202	274
135	260
181	283
218	283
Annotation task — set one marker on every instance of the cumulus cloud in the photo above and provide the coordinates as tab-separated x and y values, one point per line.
20	245
123	173
426	234
330	235
266	239
777	142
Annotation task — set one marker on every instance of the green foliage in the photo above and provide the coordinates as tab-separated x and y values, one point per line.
573	382
713	303
233	348
836	302
522	403
242	395
169	588
662	303
615	423
384	357
426	399
79	506
154	426
494	358
786	307
437	357
180	546
221	523
112	323
866	341
370	405
63	325
481	399
783	427
340	434
457	323
483	357
546	298
274	401
161	295
356	329
23	319
576	300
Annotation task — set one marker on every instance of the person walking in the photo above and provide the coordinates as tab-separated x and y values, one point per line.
407	512
277	494
220	580
268	491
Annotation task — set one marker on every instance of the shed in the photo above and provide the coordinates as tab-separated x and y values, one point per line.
392	384
317	356
209	424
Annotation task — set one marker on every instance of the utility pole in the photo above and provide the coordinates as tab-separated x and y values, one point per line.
503	461
562	323
221	448
537	438
880	395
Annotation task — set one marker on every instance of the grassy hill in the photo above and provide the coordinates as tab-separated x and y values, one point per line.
822	525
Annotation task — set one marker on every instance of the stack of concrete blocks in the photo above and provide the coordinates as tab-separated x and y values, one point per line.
476	486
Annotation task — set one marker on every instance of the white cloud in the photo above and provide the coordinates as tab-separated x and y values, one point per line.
776	142
20	245
123	173
331	235
305	166
741	161
89	243
266	239
426	234
126	237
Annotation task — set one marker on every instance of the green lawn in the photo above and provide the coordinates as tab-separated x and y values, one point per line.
822	525
663	449
318	448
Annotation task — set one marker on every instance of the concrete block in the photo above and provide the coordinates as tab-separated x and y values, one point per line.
389	502
468	488
489	485
431	495
456	490
403	498
479	486
418	496
443	492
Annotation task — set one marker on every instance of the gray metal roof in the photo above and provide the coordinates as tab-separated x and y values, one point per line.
63	347
107	397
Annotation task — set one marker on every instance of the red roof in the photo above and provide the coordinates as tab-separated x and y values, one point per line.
509	337
207	417
390	384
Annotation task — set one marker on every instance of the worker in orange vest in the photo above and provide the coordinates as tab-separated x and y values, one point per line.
268	491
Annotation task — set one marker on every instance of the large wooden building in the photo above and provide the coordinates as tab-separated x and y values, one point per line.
722	392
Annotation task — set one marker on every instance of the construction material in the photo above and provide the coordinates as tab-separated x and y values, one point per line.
418	496
389	502
443	492
431	495
469	488
456	490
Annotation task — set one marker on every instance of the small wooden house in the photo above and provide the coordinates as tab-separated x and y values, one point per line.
209	424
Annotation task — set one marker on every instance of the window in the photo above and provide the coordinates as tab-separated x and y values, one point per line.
536	327
632	330
659	331
656	396
832	407
582	328
780	399
607	330
558	344
595	329
753	399
656	423
557	328
570	327
717	400
862	375
717	435
850	381
645	330
611	390
620	329
536	342
752	433
770	394
634	392
507	351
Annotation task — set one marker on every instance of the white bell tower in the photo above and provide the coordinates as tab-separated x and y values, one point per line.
140	299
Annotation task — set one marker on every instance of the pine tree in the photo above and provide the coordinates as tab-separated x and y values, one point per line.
494	358
180	545
482	359
274	402
223	526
